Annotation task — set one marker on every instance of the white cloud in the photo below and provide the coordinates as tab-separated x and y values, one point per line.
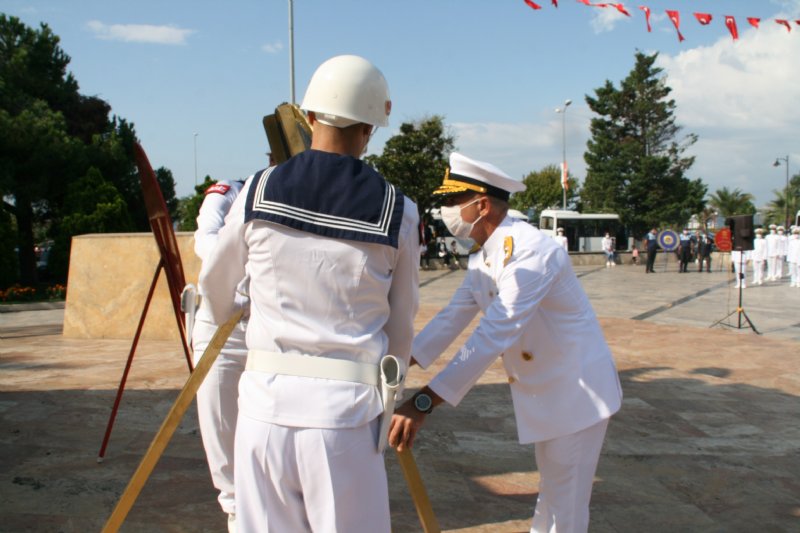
272	48
139	33
605	19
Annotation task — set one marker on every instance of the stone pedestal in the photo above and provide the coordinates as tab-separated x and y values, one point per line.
109	277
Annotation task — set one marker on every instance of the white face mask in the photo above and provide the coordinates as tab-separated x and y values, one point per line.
451	216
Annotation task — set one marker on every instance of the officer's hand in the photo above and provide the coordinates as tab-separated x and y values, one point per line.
406	421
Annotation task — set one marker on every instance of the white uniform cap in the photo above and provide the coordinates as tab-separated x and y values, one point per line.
467	174
559	230
781	228
772	226
796	229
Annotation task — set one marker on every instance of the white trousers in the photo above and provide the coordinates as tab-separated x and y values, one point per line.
566	471
291	479
740	270
218	408
758	272
794	272
779	267
772	271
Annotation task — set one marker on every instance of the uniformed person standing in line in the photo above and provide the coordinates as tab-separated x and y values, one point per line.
685	249
536	316
772	252
783	248
332	252
793	257
217	397
759	256
652	249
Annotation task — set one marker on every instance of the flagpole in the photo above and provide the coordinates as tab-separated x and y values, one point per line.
563	112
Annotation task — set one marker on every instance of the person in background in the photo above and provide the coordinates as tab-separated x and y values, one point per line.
685	249
704	248
536	316
561	239
217	397
652	249
793	257
772	253
759	256
608	248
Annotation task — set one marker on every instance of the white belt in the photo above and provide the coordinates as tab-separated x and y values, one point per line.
390	375
312	367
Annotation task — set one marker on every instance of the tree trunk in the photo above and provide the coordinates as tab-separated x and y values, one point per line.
27	256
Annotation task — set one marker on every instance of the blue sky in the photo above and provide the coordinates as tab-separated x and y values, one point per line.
496	70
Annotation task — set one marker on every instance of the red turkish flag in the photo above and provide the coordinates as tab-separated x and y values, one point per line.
621	9
533	5
675	17
785	23
647	17
730	22
555	3
754	21
703	18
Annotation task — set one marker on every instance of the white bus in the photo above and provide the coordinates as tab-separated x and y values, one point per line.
584	231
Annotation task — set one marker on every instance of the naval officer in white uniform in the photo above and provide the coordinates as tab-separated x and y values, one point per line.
331	249
536	316
217	397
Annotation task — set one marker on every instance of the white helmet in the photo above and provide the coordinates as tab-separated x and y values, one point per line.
346	90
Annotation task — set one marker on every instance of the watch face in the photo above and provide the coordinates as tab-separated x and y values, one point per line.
423	402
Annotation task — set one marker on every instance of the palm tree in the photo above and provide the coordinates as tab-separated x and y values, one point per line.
735	202
777	210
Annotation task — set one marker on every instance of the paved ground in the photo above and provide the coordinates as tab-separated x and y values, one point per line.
707	440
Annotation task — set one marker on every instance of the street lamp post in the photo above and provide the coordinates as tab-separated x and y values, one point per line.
291	50
563	111
777	163
195	159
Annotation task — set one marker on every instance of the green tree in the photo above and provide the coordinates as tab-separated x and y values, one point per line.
543	191
732	202
777	209
415	159
189	206
635	164
93	205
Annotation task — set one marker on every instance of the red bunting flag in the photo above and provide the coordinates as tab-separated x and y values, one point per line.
703	18
730	22
675	17
533	5
555	3
647	17
564	176
754	21
785	23
621	9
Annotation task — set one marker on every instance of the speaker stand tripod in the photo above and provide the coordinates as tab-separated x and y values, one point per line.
740	308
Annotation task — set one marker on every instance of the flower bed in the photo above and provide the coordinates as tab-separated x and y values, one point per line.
18	293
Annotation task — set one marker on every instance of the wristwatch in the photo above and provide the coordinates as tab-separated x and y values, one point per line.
423	402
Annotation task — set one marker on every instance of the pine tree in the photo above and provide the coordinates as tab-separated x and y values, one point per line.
635	163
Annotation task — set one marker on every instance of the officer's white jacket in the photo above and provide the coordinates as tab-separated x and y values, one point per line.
539	320
793	250
315	296
759	249
773	245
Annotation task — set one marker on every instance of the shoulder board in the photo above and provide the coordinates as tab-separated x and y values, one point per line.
508	248
218	188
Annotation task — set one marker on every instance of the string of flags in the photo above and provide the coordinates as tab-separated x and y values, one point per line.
703	18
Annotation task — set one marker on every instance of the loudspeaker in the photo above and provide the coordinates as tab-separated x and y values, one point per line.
741	231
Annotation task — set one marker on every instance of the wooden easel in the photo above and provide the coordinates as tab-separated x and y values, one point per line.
170	263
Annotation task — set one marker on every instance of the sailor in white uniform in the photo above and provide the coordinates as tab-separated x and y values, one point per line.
793	257
331	249
772	252
536	316
217	397
783	249
759	257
